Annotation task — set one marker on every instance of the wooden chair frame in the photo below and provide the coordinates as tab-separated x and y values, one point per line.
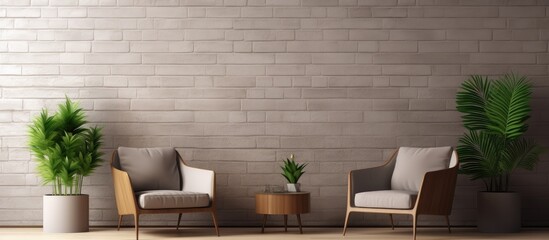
435	196
126	202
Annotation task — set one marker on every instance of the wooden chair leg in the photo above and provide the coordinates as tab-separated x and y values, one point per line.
346	222
119	222
178	221
136	220
392	223
215	222
448	223
414	225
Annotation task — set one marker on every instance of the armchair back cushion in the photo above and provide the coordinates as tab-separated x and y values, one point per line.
150	168
412	164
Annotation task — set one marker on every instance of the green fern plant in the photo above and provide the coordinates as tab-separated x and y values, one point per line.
292	170
65	150
495	114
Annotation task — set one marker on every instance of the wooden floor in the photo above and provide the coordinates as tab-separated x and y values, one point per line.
270	233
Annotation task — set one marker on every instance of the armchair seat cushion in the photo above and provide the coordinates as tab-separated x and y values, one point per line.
162	199
394	199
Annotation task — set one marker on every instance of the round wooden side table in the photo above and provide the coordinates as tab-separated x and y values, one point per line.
284	203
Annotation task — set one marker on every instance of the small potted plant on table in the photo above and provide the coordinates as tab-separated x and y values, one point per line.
65	151
292	171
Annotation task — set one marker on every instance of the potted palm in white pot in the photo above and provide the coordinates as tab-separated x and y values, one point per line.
495	114
65	151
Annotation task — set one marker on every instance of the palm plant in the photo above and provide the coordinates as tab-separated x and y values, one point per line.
495	114
292	170
65	150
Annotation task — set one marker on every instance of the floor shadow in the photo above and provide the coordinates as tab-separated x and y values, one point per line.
185	232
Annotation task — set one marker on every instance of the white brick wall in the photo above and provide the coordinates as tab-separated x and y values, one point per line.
237	85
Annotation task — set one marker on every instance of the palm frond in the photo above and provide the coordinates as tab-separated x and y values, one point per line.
521	153
479	154
509	107
472	101
71	117
92	159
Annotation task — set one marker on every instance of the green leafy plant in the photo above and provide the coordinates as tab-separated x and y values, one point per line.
292	170
495	114
65	150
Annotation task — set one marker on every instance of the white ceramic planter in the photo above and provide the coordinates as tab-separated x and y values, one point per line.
293	187
66	214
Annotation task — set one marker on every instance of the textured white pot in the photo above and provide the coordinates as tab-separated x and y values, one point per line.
293	187
66	214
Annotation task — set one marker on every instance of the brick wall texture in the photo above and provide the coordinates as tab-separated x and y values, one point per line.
238	85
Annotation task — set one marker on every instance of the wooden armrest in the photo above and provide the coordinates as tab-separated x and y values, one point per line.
436	194
125	197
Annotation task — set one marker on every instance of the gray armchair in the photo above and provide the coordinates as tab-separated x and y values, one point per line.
156	181
413	181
